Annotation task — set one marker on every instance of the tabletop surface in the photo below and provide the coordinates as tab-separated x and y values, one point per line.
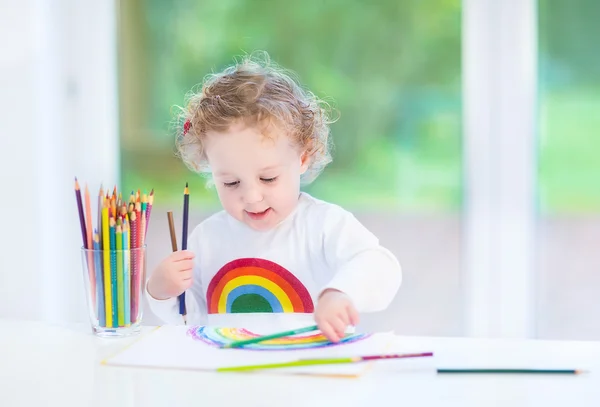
49	365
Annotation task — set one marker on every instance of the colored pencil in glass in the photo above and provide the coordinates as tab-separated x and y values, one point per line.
89	244
138	244
323	361
106	263
99	284
184	236
134	265
120	286
142	228
509	371
126	275
138	215
149	209
113	272
80	212
100	205
144	201
141	252
263	338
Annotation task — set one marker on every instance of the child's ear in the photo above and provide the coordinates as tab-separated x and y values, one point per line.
304	161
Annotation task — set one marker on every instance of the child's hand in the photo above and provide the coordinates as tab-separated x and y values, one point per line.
334	313
172	276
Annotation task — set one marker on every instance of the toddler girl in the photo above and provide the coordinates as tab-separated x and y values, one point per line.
275	258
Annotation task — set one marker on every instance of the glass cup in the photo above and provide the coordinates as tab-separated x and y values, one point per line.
114	286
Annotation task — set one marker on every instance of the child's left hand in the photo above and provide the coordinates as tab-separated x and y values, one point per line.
334	313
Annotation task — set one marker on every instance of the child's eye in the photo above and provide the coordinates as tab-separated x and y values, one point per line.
267	180
231	184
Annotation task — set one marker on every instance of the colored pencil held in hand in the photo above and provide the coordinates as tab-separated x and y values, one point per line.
184	238
115	268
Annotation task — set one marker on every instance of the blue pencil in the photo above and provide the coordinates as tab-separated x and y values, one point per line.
113	272
99	280
184	233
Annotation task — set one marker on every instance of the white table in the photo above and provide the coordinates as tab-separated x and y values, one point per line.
43	365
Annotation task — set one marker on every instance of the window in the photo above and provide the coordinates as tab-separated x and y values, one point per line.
393	70
569	188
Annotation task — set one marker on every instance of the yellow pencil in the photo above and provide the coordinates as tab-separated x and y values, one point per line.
106	256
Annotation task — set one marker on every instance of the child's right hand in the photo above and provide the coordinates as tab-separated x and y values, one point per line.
172	276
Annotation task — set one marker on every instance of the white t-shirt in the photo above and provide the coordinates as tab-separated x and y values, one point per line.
271	280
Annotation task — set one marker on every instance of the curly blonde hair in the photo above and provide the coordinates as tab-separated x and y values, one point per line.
259	93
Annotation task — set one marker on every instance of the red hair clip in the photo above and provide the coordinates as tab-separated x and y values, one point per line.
186	127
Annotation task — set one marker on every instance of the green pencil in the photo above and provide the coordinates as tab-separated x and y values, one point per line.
258	339
511	371
323	361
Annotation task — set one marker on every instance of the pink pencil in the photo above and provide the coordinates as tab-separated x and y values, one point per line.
89	232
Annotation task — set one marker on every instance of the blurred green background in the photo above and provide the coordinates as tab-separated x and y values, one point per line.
393	70
569	106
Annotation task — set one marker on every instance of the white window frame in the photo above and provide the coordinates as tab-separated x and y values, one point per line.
499	93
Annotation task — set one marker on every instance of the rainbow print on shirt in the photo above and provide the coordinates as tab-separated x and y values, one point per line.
256	285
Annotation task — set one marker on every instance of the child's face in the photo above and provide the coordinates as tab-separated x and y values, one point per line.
257	177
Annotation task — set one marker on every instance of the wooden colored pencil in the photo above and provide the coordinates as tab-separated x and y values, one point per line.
172	231
184	237
120	286
149	209
99	283
106	264
88	218
510	371
113	272
81	215
89	244
263	338
186	212
100	205
134	265
142	228
323	361
141	254
126	275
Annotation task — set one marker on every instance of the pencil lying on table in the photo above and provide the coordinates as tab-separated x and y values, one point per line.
323	361
510	371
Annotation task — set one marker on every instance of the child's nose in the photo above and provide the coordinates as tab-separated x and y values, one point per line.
252	195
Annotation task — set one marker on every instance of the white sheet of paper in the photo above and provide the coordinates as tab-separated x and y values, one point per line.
170	347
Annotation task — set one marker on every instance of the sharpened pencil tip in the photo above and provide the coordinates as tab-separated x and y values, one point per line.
186	184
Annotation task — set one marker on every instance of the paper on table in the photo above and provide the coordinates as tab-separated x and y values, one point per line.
170	347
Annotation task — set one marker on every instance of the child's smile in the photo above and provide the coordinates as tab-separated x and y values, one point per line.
259	215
